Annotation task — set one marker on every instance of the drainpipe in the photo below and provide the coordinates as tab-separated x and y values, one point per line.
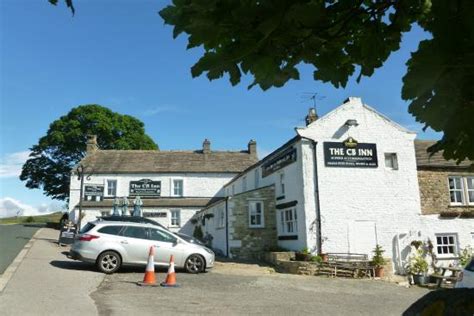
227	226
316	198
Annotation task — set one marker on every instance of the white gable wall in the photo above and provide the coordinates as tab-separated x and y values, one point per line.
355	202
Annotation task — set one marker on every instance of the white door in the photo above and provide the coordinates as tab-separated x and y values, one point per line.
363	237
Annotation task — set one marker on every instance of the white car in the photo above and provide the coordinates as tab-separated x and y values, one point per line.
466	279
112	244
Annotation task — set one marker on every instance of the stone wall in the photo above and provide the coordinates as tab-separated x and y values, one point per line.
246	242
434	192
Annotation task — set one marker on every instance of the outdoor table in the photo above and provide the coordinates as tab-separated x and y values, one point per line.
453	275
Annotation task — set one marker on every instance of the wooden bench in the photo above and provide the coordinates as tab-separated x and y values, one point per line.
350	265
443	279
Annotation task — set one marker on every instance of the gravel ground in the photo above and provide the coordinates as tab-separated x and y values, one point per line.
232	289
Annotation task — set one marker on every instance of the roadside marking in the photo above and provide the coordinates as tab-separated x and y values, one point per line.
10	271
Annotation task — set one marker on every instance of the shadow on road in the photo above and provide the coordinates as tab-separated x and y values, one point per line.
73	265
444	302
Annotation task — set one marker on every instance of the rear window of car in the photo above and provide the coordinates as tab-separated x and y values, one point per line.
111	230
86	228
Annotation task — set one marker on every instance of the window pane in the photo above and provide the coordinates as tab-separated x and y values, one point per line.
451	183
470	183
439	240
451	240
440	249
471	196
156	234
111	230
458	196
135	232
445	240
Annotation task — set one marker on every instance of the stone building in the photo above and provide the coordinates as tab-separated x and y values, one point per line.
346	182
173	185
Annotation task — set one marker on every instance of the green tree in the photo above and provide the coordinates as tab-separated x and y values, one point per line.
64	145
269	39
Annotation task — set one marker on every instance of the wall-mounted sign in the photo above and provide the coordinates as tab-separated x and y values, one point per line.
282	160
94	190
350	154
145	187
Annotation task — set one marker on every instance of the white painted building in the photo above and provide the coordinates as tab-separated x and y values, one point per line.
346	182
173	185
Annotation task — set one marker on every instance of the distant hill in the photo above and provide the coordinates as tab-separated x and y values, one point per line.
39	219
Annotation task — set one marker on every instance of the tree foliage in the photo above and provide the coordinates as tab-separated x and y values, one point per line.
64	145
269	39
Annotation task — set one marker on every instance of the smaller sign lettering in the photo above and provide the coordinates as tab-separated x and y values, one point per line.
280	161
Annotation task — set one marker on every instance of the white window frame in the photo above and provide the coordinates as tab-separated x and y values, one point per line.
281	178
252	209
174	218
393	158
256	178
445	244
108	186
468	190
288	218
220	221
173	187
456	189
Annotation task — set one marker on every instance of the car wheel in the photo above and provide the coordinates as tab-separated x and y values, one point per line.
109	262
195	264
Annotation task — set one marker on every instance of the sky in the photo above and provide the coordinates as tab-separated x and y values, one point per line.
119	54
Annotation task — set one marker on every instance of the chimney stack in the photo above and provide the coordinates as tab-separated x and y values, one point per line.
311	117
91	145
206	146
252	147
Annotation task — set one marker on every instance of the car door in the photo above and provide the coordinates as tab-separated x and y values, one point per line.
134	240
165	246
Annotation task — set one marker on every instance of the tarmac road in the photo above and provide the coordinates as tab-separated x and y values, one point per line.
12	239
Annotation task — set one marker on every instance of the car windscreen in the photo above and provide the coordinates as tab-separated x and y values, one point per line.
86	228
470	265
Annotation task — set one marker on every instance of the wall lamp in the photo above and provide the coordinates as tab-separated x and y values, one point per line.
351	123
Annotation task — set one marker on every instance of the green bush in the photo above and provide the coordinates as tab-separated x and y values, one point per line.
378	259
317	259
29	219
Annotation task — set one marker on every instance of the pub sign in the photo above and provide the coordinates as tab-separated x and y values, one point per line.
350	154
145	187
284	159
94	190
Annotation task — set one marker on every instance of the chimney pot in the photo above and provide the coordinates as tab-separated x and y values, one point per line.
206	146
252	147
311	117
91	144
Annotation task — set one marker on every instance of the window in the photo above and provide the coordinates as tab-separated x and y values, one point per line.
391	161
456	190
111	230
220	218
256	214
159	235
175	218
446	244
256	178
282	183
134	232
244	184
470	189
112	187
178	187
288	222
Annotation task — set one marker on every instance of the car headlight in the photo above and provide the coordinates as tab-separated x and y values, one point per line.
209	250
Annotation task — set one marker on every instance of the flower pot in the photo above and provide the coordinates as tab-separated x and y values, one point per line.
421	279
379	272
302	256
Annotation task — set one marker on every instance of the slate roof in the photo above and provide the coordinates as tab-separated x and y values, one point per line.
154	161
424	160
159	202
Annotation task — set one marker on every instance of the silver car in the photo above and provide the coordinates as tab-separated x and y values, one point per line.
112	244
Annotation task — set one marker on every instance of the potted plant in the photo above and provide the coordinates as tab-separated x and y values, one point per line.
324	256
378	261
303	255
418	268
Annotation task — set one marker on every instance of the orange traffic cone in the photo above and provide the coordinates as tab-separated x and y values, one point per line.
171	276
149	279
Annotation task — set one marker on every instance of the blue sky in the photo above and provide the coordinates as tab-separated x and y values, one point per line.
121	55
